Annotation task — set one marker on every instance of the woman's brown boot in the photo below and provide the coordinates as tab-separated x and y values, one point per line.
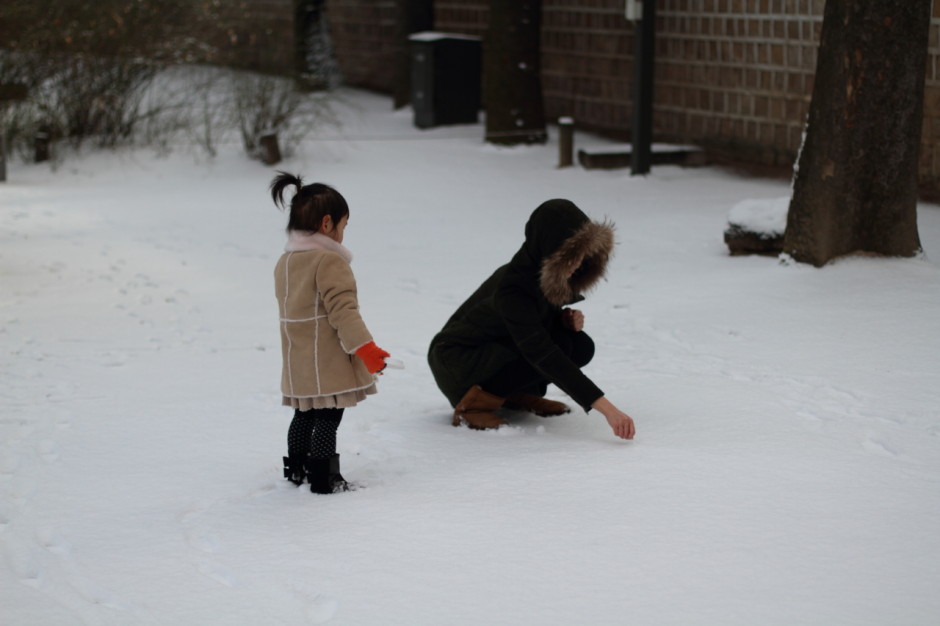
476	408
542	407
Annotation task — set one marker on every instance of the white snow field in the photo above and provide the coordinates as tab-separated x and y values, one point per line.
786	468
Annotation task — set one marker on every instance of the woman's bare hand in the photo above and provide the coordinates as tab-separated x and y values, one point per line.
573	319
621	423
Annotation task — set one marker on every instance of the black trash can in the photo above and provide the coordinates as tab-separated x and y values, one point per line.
445	78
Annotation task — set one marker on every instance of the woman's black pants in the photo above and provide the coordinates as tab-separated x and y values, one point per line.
520	377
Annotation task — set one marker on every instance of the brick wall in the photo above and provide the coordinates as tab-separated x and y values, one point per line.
587	63
255	34
734	76
365	40
930	145
466	17
737	75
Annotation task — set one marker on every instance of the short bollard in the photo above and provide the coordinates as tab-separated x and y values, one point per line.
3	157
270	150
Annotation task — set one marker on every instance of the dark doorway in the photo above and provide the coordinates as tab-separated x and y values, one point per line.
316	62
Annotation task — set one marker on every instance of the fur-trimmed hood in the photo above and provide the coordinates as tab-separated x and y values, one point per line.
579	264
570	251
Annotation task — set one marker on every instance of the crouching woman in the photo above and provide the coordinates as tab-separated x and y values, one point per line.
514	335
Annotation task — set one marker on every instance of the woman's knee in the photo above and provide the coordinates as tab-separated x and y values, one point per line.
582	349
444	376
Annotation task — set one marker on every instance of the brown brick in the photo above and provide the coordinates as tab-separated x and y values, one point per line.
927	161
761	107
808	59
793	56
932	100
795	83
794	30
931	129
754	27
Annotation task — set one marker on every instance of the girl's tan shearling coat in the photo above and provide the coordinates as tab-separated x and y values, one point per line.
320	325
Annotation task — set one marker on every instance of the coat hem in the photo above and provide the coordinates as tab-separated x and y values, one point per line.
340	400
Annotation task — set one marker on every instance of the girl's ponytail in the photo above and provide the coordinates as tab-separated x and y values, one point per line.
282	180
310	204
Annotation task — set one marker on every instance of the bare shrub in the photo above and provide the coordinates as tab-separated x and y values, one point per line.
265	104
18	119
95	97
209	114
88	65
111	72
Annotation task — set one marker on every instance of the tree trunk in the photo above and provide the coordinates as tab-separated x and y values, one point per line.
855	189
512	91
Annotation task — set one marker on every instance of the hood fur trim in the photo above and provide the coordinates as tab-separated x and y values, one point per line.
578	264
302	241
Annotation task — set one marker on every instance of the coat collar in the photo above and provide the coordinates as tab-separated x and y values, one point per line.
302	241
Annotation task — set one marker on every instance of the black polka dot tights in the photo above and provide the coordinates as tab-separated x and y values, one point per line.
313	431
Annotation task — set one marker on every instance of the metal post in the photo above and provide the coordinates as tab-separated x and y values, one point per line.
41	145
645	33
565	141
3	156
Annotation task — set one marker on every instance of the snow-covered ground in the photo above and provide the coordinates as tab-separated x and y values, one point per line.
786	468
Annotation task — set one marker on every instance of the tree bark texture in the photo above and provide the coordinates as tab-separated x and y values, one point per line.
512	90
855	189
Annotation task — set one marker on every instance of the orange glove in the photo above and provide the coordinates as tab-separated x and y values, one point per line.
373	356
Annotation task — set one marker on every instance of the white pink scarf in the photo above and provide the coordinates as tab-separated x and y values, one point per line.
302	240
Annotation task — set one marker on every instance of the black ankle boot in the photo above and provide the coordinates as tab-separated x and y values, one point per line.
318	474
294	470
323	475
336	479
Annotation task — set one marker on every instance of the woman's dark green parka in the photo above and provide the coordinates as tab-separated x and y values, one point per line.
515	312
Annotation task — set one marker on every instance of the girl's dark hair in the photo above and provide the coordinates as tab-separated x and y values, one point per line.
310	202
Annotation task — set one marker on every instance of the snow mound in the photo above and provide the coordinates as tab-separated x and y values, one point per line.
766	216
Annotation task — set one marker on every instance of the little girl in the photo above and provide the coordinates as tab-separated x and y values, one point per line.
330	359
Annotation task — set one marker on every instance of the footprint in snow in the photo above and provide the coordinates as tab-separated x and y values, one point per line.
48	450
322	609
51	539
875	445
114	359
219	574
96	594
9	463
203	541
5	515
409	284
194	511
33	578
264	489
63	419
